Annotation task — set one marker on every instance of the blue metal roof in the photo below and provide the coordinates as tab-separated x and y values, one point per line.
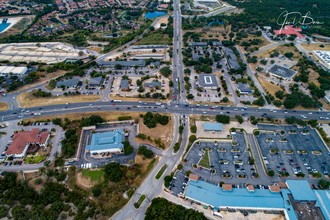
209	126
301	190
323	201
214	195
107	140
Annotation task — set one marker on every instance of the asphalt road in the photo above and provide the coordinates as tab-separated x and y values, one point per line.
151	187
166	108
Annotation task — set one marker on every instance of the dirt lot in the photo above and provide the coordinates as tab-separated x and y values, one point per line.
164	132
3	106
108	116
84	182
28	100
316	46
268	86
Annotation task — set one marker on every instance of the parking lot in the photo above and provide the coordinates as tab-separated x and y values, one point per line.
85	158
228	162
292	151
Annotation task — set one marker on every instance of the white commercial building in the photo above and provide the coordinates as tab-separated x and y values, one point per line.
7	70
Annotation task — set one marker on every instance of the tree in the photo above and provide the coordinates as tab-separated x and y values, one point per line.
113	172
192	138
239	119
181	129
161	208
223	119
167	180
324	184
165	71
143	150
128	148
270	173
97	191
193	129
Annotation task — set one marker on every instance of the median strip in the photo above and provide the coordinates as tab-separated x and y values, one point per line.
161	171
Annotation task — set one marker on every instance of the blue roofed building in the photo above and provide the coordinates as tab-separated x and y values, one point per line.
106	142
212	126
216	197
297	187
298	201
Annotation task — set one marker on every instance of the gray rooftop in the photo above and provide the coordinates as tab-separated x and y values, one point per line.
123	63
68	82
97	81
244	88
216	43
124	84
282	71
197	44
232	59
207	80
153	84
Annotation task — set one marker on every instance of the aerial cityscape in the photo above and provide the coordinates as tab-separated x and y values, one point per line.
165	109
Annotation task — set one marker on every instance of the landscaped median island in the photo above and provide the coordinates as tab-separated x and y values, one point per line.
161	171
139	202
205	159
3	106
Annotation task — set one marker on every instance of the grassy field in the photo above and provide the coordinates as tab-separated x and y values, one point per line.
3	106
164	132
108	116
161	171
268	86
205	160
94	175
155	38
35	159
316	46
28	100
282	49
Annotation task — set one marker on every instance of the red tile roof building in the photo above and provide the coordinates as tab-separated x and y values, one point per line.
288	30
23	139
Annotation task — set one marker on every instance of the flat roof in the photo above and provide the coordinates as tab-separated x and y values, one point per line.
96	81
207	80
281	71
215	196
67	82
107	140
244	87
212	126
301	190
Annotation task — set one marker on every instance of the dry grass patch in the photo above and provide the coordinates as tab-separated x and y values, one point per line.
164	132
146	166
28	100
268	86
133	99
311	47
282	49
313	75
3	106
108	116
